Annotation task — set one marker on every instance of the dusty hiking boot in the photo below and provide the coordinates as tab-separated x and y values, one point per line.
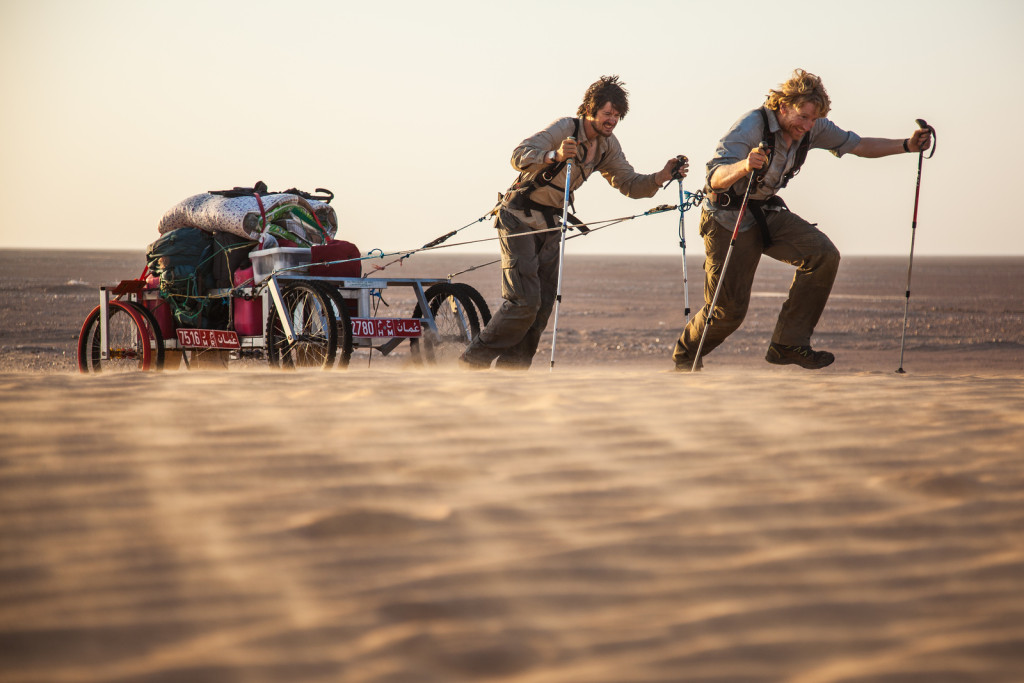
686	365
804	356
472	364
682	360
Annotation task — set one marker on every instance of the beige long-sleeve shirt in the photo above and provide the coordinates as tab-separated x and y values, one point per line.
600	154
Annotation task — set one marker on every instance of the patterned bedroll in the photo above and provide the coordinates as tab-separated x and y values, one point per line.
312	221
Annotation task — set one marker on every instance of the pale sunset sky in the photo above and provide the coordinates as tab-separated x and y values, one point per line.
114	111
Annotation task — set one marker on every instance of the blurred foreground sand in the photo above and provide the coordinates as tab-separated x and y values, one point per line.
587	525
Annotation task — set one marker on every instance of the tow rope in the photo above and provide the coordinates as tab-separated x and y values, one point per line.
692	199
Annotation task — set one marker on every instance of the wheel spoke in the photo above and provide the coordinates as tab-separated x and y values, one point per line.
312	320
456	320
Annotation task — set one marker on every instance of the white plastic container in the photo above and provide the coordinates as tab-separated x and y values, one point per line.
266	261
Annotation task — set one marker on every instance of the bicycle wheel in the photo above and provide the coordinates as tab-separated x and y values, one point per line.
457	325
344	320
129	341
311	315
156	337
482	310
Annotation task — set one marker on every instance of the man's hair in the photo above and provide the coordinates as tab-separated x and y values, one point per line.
606	89
801	88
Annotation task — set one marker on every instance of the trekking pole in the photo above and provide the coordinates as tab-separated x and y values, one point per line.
561	254
725	265
921	123
682	243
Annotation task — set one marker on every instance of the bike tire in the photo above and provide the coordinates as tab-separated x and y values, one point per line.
156	335
311	314
457	325
129	336
482	310
344	324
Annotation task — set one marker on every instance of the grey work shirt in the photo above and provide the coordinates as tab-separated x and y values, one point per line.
601	154
746	134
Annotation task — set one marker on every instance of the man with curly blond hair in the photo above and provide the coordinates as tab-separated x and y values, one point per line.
791	122
530	214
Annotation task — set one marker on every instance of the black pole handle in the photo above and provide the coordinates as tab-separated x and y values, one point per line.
681	161
922	124
761	147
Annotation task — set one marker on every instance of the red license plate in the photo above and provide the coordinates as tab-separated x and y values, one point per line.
208	339
386	327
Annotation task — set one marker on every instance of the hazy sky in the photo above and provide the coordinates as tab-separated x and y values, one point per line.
114	111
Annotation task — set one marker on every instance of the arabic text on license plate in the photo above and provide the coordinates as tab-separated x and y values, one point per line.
208	339
386	327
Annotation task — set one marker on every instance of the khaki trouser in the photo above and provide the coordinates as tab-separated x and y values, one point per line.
529	280
794	241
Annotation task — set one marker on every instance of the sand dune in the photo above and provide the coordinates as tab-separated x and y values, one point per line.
611	521
608	525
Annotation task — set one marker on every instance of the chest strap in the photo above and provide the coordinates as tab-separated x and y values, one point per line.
768	139
524	186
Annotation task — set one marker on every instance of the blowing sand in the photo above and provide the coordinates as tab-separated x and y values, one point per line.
610	521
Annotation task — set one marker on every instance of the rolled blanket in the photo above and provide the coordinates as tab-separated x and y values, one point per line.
288	216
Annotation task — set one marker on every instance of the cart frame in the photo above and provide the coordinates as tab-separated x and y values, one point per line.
270	291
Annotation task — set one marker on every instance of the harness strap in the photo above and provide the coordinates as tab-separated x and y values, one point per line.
723	200
729	197
757	212
769	141
545	177
550	213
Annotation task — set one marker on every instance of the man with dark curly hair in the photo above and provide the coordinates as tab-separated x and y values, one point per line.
791	122
530	214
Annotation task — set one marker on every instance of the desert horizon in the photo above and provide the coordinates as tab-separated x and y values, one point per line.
964	312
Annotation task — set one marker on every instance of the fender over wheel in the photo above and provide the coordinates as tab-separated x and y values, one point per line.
134	341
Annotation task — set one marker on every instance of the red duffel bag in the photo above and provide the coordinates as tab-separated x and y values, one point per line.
335	250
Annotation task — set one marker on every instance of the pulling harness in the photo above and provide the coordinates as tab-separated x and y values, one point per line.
518	195
729	198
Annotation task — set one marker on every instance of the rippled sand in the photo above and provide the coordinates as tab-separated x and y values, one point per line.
611	521
606	525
